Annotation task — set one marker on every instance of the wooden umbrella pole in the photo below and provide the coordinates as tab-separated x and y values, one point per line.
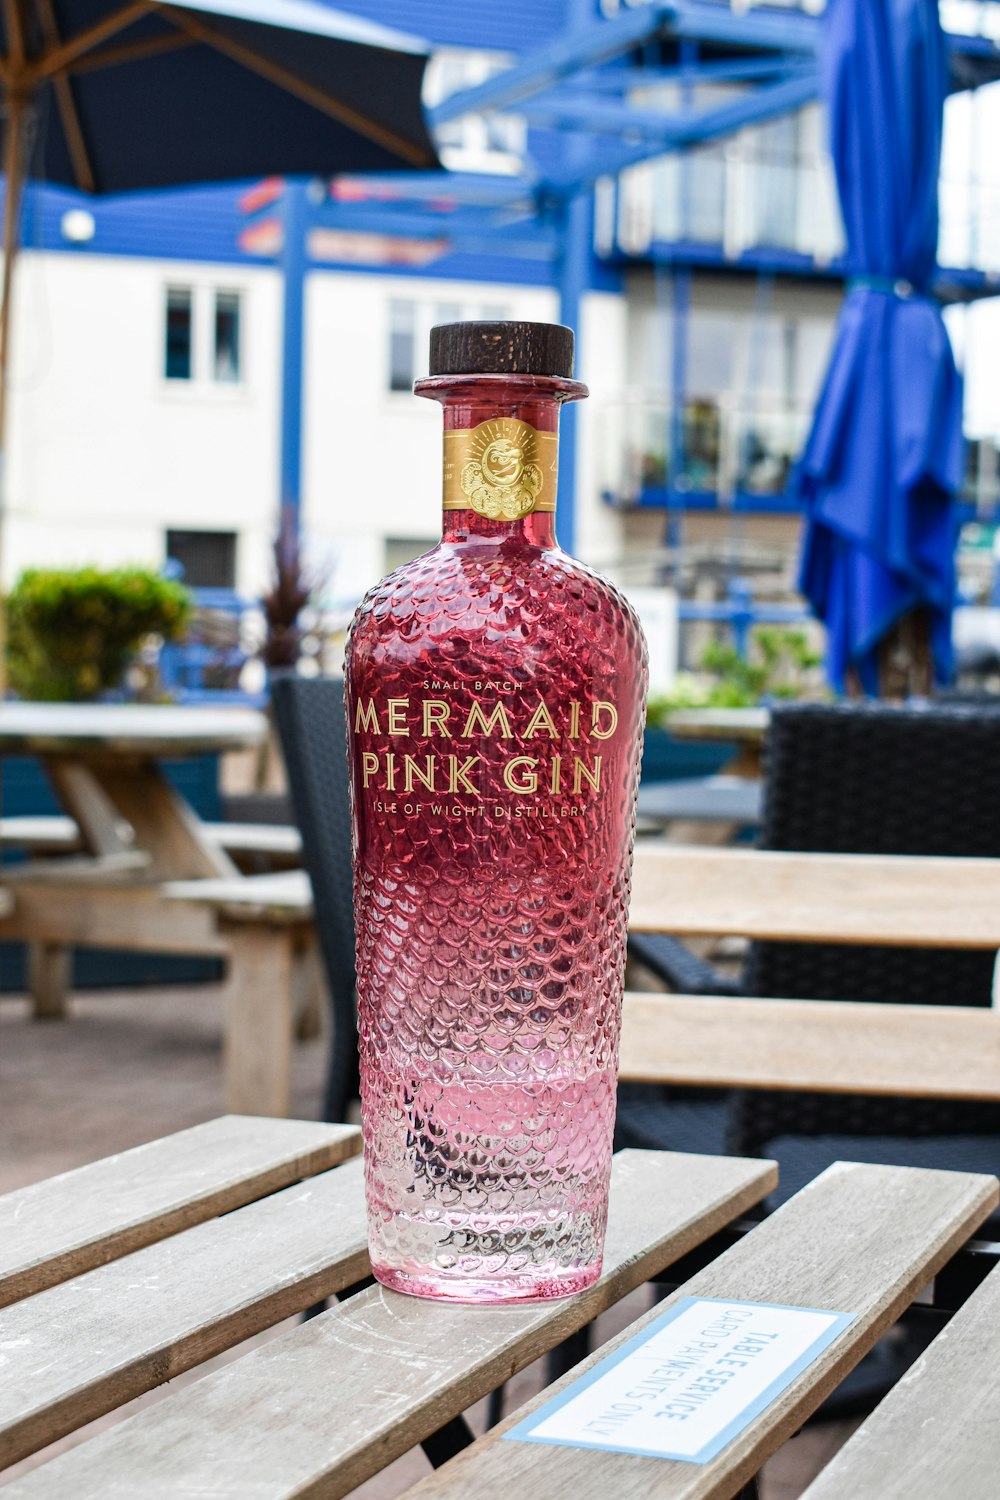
14	161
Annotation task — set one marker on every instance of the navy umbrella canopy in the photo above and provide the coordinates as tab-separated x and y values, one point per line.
110	96
114	95
883	460
145	95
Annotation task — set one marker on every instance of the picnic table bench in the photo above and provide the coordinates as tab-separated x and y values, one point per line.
137	869
55	833
900	900
123	1274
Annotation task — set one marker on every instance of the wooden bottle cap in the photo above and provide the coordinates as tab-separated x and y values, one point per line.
502	349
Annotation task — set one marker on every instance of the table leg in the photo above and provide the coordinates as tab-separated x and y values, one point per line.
49	980
259	1020
165	824
309	989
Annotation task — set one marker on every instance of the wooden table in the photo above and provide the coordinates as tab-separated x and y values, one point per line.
117	1277
152	876
908	901
744	727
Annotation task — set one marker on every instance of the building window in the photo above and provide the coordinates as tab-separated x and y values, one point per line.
410	324
227	363
208	558
203	335
178	342
402	345
403	549
473	143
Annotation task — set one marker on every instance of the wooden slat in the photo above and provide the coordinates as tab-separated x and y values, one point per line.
133	917
937	1434
948	1052
741	724
860	1239
58	834
81	1349
68	1224
286	896
150	729
838	898
319	1410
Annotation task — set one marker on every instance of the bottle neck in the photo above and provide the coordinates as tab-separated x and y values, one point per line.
501	437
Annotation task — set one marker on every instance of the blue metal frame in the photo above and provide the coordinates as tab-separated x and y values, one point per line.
294	263
577	85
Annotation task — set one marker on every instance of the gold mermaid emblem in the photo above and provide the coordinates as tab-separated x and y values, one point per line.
503	482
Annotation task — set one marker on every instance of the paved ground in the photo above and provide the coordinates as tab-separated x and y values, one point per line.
127	1068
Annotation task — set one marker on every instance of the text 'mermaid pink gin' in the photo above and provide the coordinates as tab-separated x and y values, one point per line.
495	695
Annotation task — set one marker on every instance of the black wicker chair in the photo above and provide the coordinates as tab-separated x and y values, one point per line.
311	724
874	779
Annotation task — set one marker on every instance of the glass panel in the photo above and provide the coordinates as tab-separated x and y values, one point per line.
177	350
227	337
402	345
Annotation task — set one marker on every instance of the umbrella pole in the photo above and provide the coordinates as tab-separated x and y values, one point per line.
14	156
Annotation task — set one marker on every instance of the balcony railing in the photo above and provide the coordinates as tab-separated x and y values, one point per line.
719	451
715	450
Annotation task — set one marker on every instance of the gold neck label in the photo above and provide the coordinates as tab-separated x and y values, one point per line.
502	469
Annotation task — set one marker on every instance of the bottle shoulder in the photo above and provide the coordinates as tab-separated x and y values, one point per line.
518	593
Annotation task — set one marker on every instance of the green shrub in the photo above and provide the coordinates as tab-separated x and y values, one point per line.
781	663
73	632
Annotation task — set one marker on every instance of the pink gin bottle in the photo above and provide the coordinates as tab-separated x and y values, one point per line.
496	692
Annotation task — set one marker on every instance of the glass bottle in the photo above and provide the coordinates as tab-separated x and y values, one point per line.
496	692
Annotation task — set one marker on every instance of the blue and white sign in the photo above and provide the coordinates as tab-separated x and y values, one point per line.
689	1383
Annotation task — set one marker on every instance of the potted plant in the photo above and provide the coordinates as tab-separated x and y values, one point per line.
73	633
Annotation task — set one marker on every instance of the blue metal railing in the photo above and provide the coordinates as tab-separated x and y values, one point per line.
741	613
200	671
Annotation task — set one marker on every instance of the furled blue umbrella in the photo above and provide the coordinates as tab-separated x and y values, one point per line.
883	460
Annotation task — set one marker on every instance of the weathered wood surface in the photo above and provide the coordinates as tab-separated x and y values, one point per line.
319	1410
749	725
259	1006
949	1052
68	1224
56	833
81	1349
50	833
937	1434
838	898
164	823
130	917
126	728
859	1239
285	896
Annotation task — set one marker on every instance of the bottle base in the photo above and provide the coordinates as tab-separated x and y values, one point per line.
484	1291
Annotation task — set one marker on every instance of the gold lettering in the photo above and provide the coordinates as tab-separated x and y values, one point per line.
369	765
436	716
556	781
397	715
574	720
603	734
458	775
581	774
478	718
390	772
530	783
366	717
541	719
412	772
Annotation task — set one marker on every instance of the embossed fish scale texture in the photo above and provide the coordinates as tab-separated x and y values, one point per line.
491	927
